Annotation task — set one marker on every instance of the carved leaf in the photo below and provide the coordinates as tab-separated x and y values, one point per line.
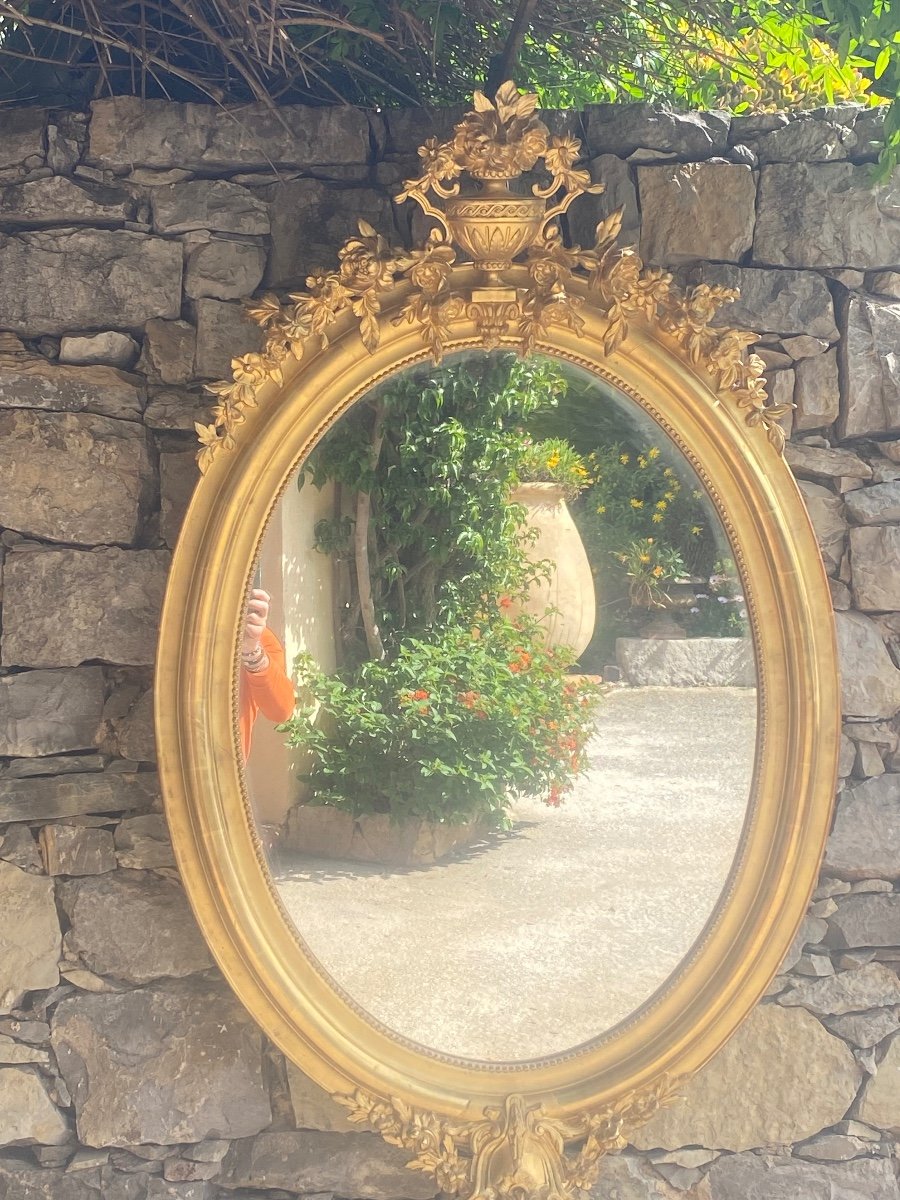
367	307
615	331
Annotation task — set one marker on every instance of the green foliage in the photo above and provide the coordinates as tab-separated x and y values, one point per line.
692	53
440	531
451	727
553	460
650	565
637	496
720	611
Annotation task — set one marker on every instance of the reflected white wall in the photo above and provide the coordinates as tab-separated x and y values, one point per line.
300	582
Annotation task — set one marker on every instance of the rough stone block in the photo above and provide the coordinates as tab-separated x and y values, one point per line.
62	607
73	477
224	332
59	200
29	381
870	683
76	850
143	843
826	511
865	838
816	394
224	270
29	935
868	919
75	795
127	131
875	559
59	280
784	302
169	349
688	662
110	348
780	1079
826	215
880	1103
816	462
313	1107
865	1029
18	847
175	1062
589	210
311	220
348	1164
751	1177
871	986
875	505
178	476
213	204
173	409
623	128
156	934
870	378
807	139
27	1114
50	712
130	730
21	141
696	211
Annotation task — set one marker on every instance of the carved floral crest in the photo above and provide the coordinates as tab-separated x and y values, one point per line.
496	226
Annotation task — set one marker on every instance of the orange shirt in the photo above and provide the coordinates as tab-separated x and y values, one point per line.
268	691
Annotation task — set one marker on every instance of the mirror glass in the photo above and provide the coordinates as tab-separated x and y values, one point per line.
499	730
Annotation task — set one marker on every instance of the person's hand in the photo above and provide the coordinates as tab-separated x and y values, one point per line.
255	622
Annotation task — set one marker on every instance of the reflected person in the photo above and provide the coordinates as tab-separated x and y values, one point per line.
265	687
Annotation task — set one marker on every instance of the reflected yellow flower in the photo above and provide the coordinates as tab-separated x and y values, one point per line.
657	571
642	462
644	558
653	452
657	518
601	508
662	505
696	530
624	460
635	503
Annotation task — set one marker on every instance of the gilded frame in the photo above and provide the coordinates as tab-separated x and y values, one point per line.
487	1128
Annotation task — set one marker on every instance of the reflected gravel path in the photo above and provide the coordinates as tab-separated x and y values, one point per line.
540	939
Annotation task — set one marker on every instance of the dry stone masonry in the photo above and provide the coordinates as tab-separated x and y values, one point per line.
128	235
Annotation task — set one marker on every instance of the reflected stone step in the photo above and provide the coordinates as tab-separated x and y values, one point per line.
324	832
686	662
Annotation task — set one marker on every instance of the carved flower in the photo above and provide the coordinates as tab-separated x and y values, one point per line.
437	160
365	260
431	268
500	139
560	157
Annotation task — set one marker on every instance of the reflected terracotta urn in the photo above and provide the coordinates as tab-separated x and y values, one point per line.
567	590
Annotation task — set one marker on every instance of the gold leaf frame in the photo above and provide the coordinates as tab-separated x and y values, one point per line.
537	1128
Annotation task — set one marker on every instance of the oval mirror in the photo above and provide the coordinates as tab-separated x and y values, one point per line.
497	695
526	705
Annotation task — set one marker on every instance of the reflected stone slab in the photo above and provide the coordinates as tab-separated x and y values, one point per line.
686	662
325	832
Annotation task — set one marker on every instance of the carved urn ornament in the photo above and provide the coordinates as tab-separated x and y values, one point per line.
494	273
495	145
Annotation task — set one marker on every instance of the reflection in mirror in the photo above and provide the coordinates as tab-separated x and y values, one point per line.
514	782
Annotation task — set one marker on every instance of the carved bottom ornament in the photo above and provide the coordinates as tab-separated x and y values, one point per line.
516	1151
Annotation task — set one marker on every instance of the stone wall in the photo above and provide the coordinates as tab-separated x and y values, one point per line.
128	235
